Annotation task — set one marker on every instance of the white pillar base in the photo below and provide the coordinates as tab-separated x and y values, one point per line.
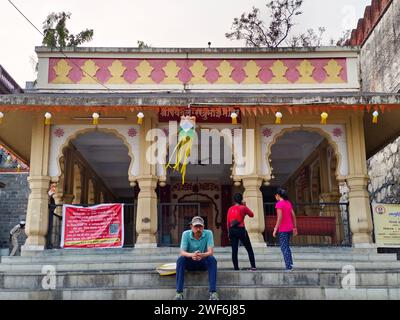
145	245
259	245
31	250
365	246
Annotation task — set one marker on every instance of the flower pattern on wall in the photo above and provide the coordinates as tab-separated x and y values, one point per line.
59	132
132	132
267	132
337	132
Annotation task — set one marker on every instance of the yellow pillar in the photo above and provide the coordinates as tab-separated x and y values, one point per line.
359	211
252	182
146	216
254	200
37	215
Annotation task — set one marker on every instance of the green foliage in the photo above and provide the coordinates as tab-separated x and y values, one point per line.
142	45
56	33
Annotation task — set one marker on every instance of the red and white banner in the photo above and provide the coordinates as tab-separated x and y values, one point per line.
100	226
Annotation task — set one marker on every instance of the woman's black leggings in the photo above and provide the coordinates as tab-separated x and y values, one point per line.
236	234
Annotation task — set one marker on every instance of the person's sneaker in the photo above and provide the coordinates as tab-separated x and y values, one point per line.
179	296
253	269
213	296
289	270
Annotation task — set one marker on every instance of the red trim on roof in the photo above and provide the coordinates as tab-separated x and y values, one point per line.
365	26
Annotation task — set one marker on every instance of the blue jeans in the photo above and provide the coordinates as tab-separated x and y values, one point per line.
209	263
284	239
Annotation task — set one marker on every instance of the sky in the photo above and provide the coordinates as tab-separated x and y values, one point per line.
159	23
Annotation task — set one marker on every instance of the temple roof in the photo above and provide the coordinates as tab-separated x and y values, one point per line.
184	98
16	130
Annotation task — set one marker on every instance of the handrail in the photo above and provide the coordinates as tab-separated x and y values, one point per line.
8	82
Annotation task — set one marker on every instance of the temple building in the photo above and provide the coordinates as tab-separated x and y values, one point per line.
296	118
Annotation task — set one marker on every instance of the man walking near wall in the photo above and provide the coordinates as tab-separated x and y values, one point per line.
14	234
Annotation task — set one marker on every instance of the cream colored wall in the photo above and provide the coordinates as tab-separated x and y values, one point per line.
360	215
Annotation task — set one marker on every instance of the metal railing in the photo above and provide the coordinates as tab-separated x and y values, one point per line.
318	224
173	219
53	239
7	83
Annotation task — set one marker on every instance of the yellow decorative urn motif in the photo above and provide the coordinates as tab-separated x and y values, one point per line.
225	73
306	70
198	70
62	70
171	73
89	72
252	70
144	70
333	69
117	70
279	70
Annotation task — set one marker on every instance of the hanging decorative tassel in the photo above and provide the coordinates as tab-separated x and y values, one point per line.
278	117
140	117
324	117
234	117
375	115
1	117
95	117
47	118
181	152
18	168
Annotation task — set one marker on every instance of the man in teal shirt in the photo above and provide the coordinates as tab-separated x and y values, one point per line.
197	254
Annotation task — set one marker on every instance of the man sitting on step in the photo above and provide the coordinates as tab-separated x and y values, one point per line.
197	254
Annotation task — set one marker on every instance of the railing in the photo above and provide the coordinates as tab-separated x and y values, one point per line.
7	83
173	219
318	224
53	240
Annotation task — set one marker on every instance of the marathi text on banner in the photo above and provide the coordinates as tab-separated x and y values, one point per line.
387	224
99	226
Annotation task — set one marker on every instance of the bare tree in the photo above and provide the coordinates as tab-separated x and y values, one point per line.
343	40
310	38
252	28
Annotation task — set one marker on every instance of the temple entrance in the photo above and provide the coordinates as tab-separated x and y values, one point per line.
94	170
208	192
305	163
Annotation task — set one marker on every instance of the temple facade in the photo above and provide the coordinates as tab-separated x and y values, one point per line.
102	123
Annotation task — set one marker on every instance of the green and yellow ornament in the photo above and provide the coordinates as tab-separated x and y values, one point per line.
181	152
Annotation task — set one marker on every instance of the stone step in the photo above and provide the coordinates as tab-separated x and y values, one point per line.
92	258
137	279
174	250
201	293
225	264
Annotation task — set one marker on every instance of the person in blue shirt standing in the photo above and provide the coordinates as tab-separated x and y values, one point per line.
197	254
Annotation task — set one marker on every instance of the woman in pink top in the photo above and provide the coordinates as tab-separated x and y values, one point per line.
285	225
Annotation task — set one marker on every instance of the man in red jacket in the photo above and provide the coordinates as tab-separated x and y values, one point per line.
237	230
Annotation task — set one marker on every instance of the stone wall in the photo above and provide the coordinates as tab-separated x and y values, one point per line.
380	58
13	204
384	172
380	72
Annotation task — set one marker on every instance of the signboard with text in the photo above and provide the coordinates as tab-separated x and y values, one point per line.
387	224
99	226
211	115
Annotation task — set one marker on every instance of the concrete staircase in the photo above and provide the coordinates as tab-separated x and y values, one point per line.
130	274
